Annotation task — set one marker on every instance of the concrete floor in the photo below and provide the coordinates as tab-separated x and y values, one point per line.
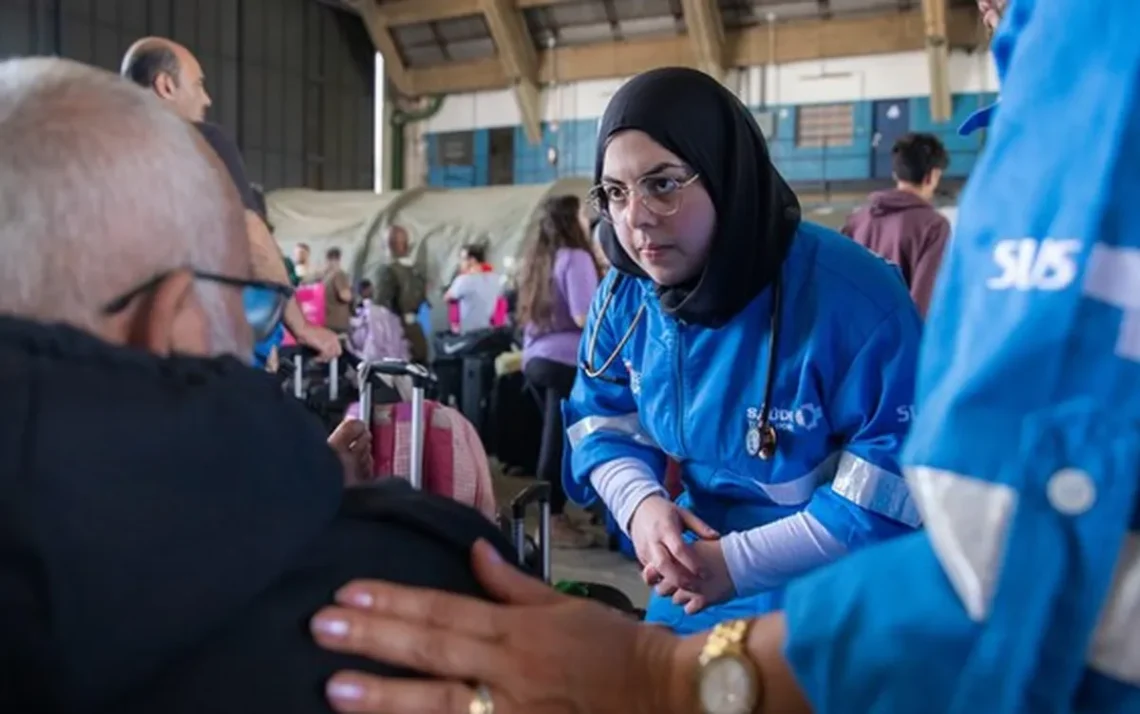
598	565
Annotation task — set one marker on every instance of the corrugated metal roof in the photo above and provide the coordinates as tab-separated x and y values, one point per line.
584	22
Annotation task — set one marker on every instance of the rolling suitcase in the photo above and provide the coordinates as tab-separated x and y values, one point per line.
452	352
421	378
297	357
514	435
477	385
450	457
325	393
532	557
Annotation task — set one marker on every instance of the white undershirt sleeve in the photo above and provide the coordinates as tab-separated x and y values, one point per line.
623	484
772	555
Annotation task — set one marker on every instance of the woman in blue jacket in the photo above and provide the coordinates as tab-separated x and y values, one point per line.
774	359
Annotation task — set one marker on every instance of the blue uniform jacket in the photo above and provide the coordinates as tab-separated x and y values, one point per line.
262	349
1022	594
841	403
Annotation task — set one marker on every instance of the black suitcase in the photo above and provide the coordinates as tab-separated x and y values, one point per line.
449	381
327	390
534	557
491	341
515	424
452	368
475	397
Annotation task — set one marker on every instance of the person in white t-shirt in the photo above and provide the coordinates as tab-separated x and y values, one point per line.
476	289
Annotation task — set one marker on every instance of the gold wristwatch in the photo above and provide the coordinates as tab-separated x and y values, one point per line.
727	679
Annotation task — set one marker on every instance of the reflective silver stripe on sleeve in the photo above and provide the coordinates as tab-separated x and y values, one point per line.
967	521
1111	276
799	491
624	424
875	489
1115	649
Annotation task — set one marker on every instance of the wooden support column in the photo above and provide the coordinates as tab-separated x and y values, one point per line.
519	61
937	58
706	33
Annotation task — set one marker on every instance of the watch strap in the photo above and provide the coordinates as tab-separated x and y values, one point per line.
727	638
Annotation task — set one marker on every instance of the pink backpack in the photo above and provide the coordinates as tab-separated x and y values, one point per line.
501	313
455	463
498	318
376	333
311	299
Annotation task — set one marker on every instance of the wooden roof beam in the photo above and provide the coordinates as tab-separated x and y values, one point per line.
794	42
411	12
381	35
518	59
706	33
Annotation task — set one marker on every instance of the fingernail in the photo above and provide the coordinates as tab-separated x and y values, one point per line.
331	627
492	552
345	691
360	599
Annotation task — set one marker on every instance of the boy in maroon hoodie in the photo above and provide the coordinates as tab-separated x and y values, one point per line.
901	224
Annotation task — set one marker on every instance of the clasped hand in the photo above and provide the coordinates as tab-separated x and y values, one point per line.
694	574
352	442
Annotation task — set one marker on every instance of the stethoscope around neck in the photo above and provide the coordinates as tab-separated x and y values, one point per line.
761	438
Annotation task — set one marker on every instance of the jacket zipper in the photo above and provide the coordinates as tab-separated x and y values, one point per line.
679	376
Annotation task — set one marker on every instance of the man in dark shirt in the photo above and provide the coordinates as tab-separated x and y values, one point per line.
169	519
403	289
173	73
901	224
338	293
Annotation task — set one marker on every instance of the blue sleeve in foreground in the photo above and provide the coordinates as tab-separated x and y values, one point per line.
880	631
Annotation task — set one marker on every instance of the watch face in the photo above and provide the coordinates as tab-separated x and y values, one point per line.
727	686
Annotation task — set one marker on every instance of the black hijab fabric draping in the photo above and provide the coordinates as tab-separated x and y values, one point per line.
698	119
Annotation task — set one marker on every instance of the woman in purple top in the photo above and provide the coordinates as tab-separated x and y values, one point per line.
559	277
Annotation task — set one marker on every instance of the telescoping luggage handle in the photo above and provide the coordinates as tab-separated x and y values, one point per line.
299	377
537	493
421	377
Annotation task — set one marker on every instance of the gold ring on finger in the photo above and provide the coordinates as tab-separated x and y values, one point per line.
481	703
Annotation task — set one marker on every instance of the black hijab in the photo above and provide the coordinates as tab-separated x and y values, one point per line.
698	119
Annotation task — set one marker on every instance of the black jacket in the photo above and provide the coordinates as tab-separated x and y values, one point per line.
169	526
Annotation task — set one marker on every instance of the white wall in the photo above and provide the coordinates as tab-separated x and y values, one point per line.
835	80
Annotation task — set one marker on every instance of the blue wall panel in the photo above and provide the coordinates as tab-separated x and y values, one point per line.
531	165
482	150
851	162
574	141
453	176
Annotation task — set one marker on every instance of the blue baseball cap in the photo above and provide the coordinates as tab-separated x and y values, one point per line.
978	120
